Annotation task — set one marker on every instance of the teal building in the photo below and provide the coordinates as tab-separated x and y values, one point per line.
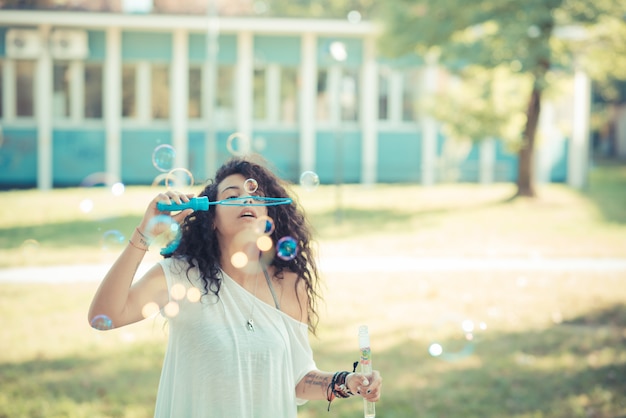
89	94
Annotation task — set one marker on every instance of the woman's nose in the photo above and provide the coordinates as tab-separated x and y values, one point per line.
248	200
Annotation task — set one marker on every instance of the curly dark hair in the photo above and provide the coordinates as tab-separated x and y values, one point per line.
200	247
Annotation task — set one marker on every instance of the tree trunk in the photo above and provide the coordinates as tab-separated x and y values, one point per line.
525	169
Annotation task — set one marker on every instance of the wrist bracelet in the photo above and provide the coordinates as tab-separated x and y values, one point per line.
338	387
137	246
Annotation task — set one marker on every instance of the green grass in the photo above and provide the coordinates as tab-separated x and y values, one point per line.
553	346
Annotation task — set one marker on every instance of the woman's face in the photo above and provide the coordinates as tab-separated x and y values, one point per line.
232	220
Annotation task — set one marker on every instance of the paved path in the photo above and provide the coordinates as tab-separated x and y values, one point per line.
95	272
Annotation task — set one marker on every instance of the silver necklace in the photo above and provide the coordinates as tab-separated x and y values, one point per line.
250	322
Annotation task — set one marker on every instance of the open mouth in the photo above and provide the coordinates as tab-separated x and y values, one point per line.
247	214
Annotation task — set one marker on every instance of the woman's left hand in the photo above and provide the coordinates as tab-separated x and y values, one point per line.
368	386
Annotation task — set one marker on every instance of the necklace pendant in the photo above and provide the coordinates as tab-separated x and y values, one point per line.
250	325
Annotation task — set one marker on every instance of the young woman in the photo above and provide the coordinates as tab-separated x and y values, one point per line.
242	349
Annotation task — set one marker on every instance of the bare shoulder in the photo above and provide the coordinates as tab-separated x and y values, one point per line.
294	298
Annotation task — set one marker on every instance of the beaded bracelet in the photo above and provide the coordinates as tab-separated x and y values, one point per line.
337	386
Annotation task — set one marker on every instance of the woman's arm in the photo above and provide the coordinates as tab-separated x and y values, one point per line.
117	297
315	385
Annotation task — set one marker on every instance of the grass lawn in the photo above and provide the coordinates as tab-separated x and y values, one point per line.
544	343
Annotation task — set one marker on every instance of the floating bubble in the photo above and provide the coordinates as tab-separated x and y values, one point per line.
238	144
86	205
179	178
354	16
264	225
163	157
29	247
309	180
250	186
98	179
164	231
287	248
159	180
264	243
118	189
239	259
112	240
101	322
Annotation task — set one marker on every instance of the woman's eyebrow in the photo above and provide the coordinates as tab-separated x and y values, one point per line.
230	187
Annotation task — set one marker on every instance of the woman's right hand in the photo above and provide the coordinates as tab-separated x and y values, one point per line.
151	225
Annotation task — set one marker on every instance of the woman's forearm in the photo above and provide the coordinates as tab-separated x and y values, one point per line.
112	295
314	385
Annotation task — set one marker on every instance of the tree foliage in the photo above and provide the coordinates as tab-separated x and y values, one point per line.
529	39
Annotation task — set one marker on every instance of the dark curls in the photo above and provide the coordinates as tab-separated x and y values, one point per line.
199	243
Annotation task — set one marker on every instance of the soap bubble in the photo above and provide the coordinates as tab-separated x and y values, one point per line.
238	144
179	178
101	322
112	240
287	248
309	180
250	186
354	16
163	157
264	225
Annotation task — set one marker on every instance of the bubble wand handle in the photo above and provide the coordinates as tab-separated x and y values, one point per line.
369	408
195	203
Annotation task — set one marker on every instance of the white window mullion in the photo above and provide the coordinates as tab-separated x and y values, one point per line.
244	76
272	93
395	97
143	93
9	96
77	91
334	90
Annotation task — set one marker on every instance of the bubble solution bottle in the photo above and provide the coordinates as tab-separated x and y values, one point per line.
369	408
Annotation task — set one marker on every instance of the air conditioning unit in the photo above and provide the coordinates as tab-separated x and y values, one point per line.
23	43
69	44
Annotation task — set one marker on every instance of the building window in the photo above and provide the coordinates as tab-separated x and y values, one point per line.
289	95
259	94
383	95
93	91
323	99
25	71
225	93
1	93
410	95
61	90
349	95
129	83
196	88
160	92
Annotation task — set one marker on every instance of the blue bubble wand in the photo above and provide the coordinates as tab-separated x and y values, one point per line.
203	203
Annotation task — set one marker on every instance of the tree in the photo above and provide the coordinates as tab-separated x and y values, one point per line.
525	36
